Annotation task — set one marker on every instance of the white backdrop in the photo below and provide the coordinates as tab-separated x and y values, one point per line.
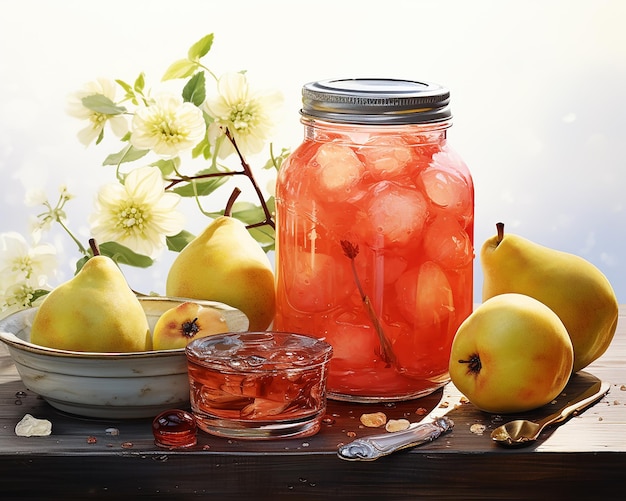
538	94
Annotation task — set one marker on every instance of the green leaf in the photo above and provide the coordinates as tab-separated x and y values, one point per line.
140	83
100	136
250	213
195	90
167	166
80	263
123	255
265	236
203	187
178	242
127	87
202	148
129	93
182	68
271	204
120	254
201	48
102	104
208	119
39	293
127	154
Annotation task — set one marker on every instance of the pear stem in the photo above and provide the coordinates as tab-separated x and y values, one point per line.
500	230
228	211
94	246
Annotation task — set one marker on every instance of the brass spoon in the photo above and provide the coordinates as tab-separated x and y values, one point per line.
523	432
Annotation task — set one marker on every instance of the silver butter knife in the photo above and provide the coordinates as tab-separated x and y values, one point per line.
433	425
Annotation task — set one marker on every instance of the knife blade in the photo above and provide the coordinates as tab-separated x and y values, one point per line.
432	426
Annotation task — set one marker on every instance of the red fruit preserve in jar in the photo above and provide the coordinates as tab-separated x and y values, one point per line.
374	237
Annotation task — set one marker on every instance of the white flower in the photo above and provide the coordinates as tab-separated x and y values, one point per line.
34	197
168	126
138	214
246	114
97	121
20	262
17	297
43	221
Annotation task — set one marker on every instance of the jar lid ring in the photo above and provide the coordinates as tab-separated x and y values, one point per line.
376	101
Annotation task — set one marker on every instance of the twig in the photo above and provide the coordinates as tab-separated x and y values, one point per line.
173	182
351	251
247	171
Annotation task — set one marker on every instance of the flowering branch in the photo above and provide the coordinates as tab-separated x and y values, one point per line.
137	215
236	121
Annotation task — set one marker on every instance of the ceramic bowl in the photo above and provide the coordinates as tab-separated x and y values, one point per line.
106	385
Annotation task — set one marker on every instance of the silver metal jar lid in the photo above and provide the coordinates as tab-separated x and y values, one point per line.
376	101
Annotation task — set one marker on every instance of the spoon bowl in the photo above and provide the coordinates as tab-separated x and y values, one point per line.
522	432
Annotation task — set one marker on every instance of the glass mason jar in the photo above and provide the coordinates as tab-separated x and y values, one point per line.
374	236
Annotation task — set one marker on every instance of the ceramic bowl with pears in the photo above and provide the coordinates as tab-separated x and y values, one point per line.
108	385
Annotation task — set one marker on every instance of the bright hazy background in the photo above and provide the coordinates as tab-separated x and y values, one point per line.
538	95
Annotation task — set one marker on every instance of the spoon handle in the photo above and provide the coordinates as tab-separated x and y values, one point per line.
593	394
376	446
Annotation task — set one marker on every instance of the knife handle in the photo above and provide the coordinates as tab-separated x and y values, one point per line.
375	446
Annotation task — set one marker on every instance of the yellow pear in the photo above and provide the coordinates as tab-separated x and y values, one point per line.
94	311
571	286
225	264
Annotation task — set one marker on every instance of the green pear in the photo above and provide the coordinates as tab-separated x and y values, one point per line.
225	264
94	311
571	286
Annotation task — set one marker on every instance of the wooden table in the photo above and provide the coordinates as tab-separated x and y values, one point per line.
583	459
